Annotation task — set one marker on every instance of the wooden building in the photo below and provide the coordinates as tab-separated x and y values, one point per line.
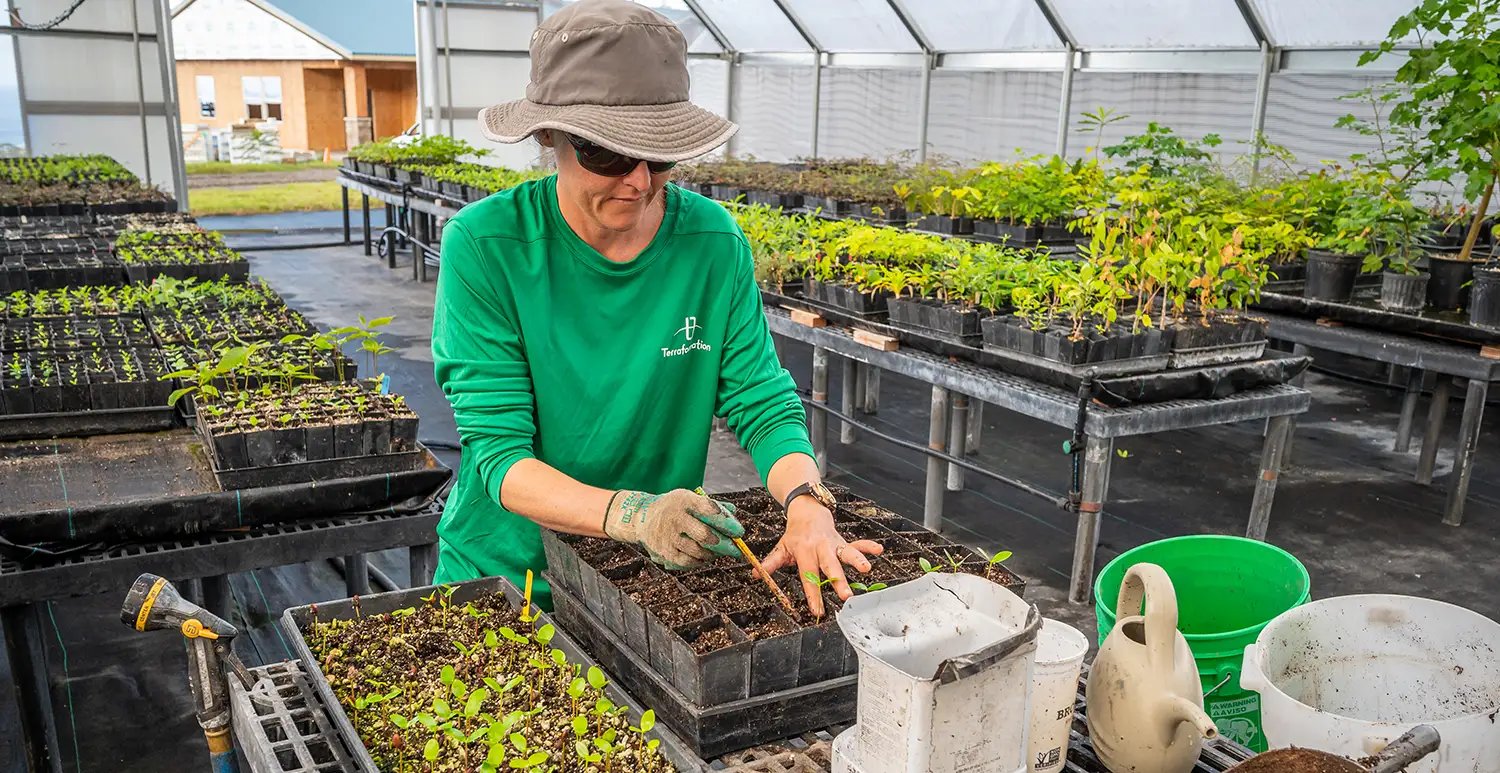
331	73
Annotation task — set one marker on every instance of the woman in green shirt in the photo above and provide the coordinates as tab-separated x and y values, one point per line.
590	325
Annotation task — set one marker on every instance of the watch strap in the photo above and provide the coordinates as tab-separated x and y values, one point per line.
809	489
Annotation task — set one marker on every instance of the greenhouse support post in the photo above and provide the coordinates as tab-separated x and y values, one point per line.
172	98
924	114
447	71
1258	116
140	87
812	42
1065	104
817	99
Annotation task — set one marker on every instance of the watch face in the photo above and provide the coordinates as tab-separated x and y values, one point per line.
822	494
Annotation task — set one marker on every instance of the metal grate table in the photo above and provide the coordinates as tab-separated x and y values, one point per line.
24	589
956	383
286	729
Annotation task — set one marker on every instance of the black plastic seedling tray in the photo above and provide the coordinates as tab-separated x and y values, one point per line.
1363	310
294	473
296	620
715	730
154	486
87	423
771	663
1115	391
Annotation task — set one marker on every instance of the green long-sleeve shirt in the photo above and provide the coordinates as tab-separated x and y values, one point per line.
609	372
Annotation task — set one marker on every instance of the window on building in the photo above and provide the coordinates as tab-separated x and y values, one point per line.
206	96
262	97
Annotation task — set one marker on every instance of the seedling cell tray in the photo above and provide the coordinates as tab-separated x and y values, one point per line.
657	624
713	731
159	485
296	621
323	470
1363	310
1159	385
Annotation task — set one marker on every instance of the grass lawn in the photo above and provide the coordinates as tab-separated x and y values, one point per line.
224	167
261	199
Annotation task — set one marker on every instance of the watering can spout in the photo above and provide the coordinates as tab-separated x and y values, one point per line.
1179	710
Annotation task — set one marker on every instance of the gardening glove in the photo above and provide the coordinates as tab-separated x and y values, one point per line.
678	529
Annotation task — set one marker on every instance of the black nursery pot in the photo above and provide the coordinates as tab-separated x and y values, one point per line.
1330	275
1484	304
319	442
16	398
348	439
404	434
229	448
1403	292
1448	289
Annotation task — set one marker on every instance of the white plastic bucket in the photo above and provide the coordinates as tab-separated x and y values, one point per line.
945	666
1348	675
1054	690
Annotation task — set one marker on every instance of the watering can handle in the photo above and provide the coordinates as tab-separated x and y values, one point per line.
1150	584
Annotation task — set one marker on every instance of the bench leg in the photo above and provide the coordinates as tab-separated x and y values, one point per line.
1463	459
819	419
937	440
1278	436
847	399
872	390
1408	410
1432	435
976	427
357	575
958	430
27	653
422	563
1097	455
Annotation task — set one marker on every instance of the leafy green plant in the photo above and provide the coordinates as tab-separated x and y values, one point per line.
1451	86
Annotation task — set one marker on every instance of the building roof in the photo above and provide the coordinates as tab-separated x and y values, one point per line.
360	27
353	28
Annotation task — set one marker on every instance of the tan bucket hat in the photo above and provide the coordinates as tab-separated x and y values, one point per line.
614	73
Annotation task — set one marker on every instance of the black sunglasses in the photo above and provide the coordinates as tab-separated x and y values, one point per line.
603	161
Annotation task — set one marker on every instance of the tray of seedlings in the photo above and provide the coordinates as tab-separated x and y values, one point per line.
55	270
74	185
1449	319
72	363
467	677
725	665
189	252
1149	386
311	432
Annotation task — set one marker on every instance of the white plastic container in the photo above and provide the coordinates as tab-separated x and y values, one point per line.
945	668
1348	675
1059	660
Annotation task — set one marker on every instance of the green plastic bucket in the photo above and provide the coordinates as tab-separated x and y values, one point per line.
1228	588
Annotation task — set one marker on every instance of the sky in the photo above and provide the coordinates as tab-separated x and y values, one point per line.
10	108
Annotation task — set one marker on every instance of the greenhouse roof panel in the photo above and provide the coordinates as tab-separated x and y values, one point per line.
1155	24
1330	23
754	25
854	25
984	25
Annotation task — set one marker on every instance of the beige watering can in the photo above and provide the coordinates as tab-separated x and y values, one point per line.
1145	703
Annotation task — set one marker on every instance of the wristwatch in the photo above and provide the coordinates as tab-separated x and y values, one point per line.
818	491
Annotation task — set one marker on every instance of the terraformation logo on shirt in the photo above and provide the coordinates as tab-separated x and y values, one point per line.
689	332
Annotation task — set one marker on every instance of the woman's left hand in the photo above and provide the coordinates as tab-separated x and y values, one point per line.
818	550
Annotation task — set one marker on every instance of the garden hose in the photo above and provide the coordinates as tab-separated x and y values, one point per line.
1054	498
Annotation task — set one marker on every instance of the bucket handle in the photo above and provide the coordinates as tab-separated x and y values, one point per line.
1252	679
1150	584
